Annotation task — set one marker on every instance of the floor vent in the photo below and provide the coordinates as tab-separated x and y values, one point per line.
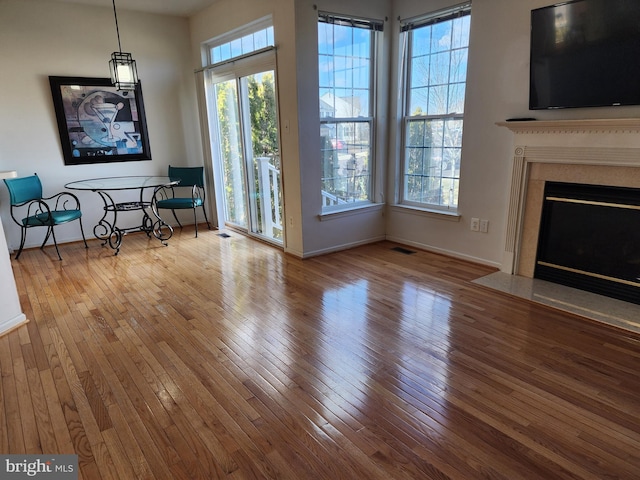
223	235
403	250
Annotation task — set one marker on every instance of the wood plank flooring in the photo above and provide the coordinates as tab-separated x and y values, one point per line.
225	358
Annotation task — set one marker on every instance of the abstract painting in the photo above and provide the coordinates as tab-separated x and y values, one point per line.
97	122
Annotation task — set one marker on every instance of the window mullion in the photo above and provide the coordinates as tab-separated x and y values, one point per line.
346	119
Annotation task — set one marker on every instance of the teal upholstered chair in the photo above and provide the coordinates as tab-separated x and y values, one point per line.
172	199
25	195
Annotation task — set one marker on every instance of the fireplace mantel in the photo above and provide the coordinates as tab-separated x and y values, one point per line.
603	125
599	151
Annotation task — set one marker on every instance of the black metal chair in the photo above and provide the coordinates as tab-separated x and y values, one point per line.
170	198
25	195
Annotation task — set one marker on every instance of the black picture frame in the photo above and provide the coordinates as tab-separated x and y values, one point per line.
97	122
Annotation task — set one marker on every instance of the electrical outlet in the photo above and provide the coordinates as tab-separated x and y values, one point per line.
475	224
291	221
484	225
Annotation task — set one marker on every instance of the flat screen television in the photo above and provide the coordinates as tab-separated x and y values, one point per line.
585	53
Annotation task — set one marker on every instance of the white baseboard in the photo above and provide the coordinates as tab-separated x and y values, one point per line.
11	324
344	246
443	251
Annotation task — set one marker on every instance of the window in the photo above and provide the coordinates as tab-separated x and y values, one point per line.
238	43
435	64
346	49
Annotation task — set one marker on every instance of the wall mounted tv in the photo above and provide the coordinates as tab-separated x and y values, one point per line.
585	53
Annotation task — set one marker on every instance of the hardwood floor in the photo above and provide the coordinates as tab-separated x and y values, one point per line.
225	358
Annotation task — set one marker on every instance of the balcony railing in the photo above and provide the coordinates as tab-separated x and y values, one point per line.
270	209
329	200
269	187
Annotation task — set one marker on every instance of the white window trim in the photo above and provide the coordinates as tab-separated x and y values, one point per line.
355	209
264	59
451	215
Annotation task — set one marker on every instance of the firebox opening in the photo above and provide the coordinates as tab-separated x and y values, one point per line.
590	239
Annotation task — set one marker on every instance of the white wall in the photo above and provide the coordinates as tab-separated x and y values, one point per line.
11	314
38	39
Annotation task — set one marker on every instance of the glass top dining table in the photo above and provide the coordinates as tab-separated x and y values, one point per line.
121	183
107	229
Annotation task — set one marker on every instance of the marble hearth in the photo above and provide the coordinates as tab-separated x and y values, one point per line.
600	152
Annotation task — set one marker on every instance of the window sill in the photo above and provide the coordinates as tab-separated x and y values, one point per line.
348	211
452	216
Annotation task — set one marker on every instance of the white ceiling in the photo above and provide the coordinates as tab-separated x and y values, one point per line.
183	8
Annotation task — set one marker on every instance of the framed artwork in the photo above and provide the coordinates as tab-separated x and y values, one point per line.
97	122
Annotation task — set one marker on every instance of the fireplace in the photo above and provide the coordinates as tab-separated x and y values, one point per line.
599	153
590	239
603	152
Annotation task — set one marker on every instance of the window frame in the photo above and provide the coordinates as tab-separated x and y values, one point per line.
408	26
375	27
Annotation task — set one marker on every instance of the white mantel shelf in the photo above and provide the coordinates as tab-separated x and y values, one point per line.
609	125
611	141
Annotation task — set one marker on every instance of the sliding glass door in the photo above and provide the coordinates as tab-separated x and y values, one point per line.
243	121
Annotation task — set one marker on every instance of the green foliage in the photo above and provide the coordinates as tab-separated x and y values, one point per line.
264	120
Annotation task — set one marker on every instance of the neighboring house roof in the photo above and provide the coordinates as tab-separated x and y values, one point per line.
341	107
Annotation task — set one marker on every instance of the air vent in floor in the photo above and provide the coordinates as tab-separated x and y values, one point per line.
406	251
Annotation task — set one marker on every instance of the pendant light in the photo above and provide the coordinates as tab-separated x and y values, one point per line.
124	74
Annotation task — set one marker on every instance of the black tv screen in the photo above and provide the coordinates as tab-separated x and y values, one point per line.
585	53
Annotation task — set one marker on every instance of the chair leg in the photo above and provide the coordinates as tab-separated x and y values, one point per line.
195	221
23	237
176	217
46	237
55	242
204	210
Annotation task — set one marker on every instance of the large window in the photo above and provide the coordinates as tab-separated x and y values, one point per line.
435	60
346	48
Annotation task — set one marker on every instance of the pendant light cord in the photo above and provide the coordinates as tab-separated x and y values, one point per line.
117	29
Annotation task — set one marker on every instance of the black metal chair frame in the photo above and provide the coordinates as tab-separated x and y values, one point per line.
39	206
197	193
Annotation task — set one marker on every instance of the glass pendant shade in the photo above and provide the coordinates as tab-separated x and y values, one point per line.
124	74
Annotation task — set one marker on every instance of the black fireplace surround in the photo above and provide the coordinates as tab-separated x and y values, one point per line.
590	239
